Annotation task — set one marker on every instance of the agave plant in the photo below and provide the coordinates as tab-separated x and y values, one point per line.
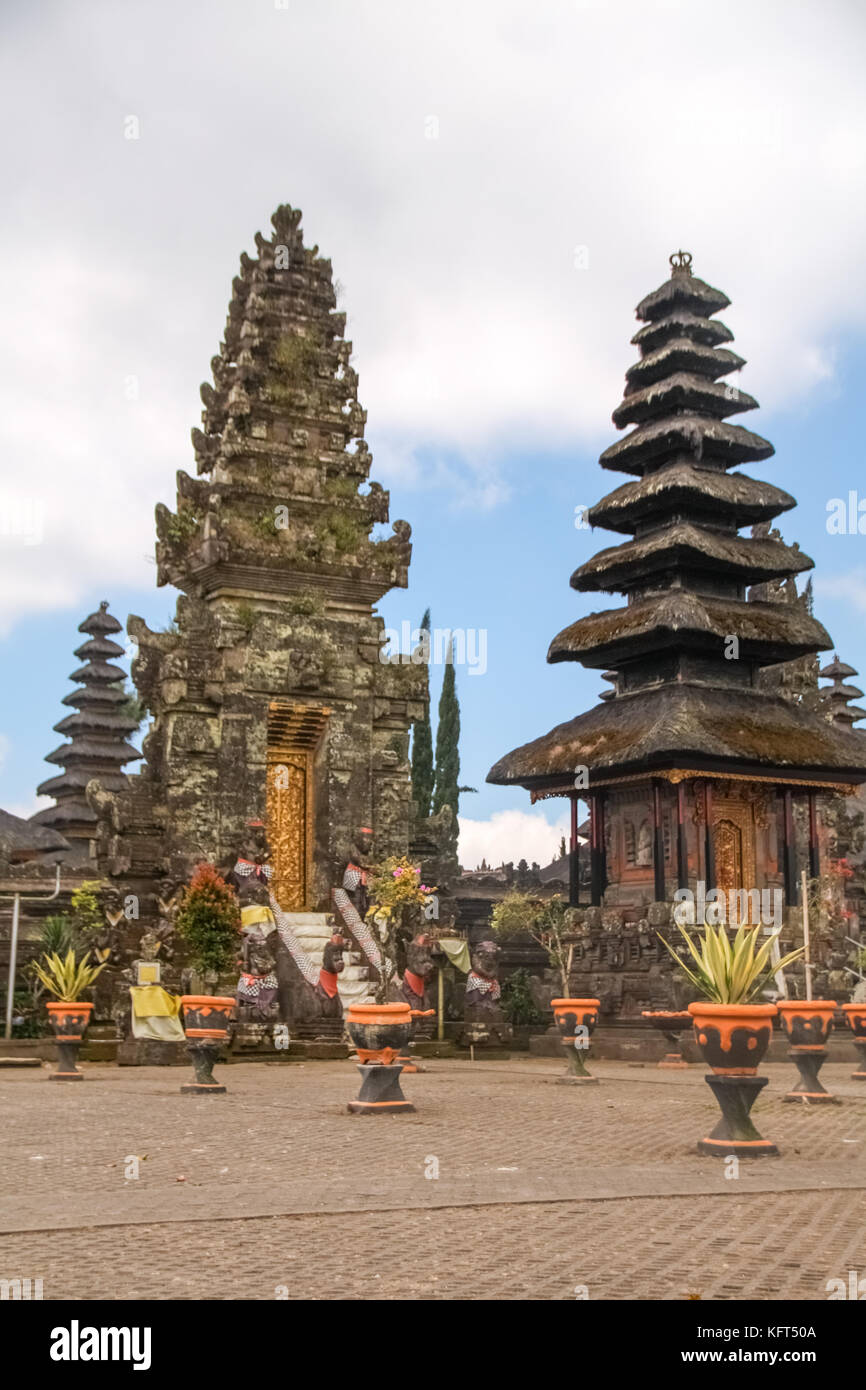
66	978
731	972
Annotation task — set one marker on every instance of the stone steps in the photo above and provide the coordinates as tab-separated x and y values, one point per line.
313	930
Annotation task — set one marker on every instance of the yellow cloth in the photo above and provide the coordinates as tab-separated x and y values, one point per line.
251	916
457	951
152	1001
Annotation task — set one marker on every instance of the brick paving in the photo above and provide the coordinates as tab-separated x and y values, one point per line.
540	1189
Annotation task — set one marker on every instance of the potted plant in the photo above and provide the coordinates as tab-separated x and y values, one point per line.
208	921
856	1017
67	978
380	1031
808	1023
731	1029
552	926
670	1023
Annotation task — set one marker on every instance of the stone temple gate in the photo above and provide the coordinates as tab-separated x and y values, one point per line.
267	696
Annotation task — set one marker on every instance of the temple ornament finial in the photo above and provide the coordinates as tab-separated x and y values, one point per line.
681	261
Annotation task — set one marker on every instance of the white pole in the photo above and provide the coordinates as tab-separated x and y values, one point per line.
13	953
805	896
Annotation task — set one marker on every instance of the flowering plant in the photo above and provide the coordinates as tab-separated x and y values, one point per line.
208	920
397	901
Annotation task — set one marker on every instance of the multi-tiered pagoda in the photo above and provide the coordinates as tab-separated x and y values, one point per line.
838	696
98	734
268	697
693	763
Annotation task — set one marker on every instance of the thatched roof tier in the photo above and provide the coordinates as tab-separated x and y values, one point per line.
75	780
698	435
97	722
106	696
836	669
97	731
688	725
100	622
96	671
685	548
842	692
681	324
682	355
767	632
19	835
681	391
85	749
98	647
682	487
682	291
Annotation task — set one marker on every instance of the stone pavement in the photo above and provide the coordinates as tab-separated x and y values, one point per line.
540	1188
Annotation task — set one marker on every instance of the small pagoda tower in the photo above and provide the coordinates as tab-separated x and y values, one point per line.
269	697
692	768
836	698
98	733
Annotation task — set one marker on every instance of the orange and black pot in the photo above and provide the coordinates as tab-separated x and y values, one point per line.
206	1019
576	1020
808	1023
856	1018
733	1039
379	1033
68	1022
670	1022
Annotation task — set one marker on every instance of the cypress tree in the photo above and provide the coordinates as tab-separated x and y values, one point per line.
422	754
447	789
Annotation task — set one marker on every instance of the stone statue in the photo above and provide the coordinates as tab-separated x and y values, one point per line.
351	901
306	993
482	1012
419	974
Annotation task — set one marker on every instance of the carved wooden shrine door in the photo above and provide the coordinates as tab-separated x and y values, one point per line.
294	732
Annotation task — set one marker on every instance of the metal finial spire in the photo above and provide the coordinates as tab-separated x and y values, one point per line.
681	261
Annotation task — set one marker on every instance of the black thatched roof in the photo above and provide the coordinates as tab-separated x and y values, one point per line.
693	548
98	746
688	726
18	835
685	575
767	632
703	491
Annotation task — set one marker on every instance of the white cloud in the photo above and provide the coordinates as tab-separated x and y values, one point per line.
4	749
26	809
627	130
850	588
509	836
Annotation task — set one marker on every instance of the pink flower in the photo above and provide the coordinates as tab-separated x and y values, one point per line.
397	872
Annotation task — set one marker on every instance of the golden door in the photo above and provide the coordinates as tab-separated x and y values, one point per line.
289	827
734	841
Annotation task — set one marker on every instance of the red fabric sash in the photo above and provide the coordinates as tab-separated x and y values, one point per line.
328	983
362	872
415	983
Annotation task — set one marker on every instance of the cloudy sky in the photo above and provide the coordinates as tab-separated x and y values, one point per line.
497	185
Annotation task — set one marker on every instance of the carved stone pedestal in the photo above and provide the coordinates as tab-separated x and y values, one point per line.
67	1056
735	1133
809	1061
203	1055
380	1092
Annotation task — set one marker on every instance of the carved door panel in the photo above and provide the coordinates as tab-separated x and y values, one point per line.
289	827
728	841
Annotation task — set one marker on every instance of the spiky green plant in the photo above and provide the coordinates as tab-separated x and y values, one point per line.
731	972
66	977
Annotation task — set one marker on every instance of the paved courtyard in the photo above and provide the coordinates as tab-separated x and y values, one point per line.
503	1185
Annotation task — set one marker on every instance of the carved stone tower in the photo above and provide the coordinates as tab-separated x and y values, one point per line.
267	696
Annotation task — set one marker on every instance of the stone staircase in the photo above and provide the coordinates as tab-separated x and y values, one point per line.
313	930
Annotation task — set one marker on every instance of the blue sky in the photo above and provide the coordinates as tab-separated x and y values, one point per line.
494	209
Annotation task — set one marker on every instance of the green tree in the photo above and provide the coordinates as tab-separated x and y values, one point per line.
422	754
446	791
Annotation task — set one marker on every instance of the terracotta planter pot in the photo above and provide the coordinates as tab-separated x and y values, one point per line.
206	1019
379	1033
670	1022
856	1018
733	1039
808	1023
571	1015
68	1022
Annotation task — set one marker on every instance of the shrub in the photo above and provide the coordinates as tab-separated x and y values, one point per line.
208	920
